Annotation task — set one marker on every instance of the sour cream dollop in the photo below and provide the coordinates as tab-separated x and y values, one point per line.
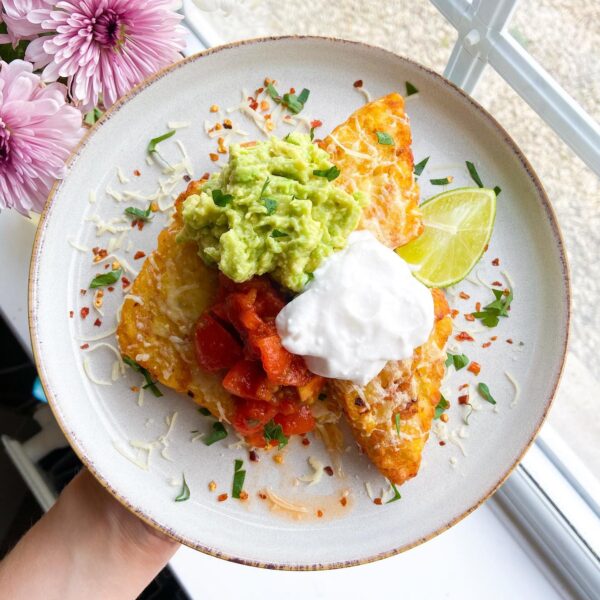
362	309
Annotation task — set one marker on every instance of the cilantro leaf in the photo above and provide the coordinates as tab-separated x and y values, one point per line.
420	166
221	199
441	407
490	315
218	433
106	278
484	390
330	174
185	491
410	89
150	383
397	495
139	214
274	432
383	138
157	140
458	360
239	475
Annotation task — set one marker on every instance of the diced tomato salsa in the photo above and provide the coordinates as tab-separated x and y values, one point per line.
238	334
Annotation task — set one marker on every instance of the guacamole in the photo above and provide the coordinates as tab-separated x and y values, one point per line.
268	212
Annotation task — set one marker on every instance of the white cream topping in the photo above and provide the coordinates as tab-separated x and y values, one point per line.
362	309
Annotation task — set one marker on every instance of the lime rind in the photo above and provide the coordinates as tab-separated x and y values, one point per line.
458	227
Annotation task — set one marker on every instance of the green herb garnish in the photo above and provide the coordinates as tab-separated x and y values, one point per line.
204	411
484	390
474	174
497	190
490	315
239	475
411	89
150	383
271	205
397	422
93	116
444	181
221	199
157	140
397	495
218	433
296	103
106	278
139	214
466	417
330	174
460	361
277	234
312	133
274	433
441	407
185	491
383	138
420	167
273	92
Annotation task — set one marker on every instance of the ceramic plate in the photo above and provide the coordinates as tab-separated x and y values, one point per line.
101	421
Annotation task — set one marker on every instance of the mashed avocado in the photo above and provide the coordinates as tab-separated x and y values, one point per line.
267	212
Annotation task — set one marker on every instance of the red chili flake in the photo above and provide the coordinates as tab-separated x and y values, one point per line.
496	262
497	283
358	83
83	292
253	103
509	341
84	346
140	225
205	176
477	306
253	456
222	497
292	90
137	173
305	442
95	250
260	90
463	336
139	254
97	323
464	399
494	338
454	313
71	313
187	178
110	288
486	247
464	296
328	470
463	386
243	495
343	501
126	282
378	501
486	345
474	367
84	312
316	123
133	223
106	266
262	495
442	443
469	317
319	513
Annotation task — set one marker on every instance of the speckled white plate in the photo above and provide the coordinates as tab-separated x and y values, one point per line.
455	478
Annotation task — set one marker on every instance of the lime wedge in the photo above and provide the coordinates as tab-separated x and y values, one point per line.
458	226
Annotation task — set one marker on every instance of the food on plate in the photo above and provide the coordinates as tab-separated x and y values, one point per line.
266	305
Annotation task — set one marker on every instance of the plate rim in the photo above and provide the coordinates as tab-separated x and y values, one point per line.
72	437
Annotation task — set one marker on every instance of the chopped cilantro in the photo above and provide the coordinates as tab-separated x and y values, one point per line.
274	432
277	234
185	491
157	140
441	407
218	433
221	199
420	166
484	390
330	174
383	138
106	278
239	475
410	89
458	360
490	315
150	383
139	214
397	495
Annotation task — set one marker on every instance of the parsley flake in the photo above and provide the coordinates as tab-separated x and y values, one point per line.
218	433
221	199
157	140
150	383
274	433
420	166
490	315
441	407
397	495
458	360
410	89
329	174
239	475
484	390
106	278
383	138
185	491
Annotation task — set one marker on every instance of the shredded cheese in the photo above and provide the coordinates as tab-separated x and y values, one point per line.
121	176
363	90
78	246
131	458
281	503
178	124
515	384
92	197
318	470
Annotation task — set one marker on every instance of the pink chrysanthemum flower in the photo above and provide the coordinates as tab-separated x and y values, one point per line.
38	130
105	47
19	27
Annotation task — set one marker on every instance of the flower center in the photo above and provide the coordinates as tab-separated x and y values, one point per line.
4	143
109	29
